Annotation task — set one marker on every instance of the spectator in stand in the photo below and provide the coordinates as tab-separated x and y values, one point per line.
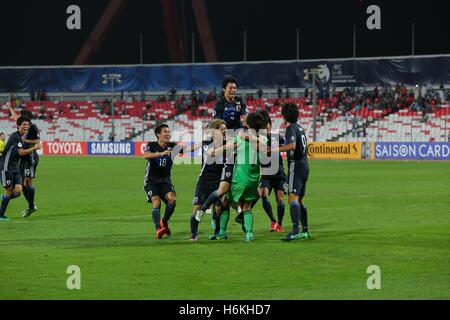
201	97
32	95
43	95
288	94
194	99
142	96
172	94
375	92
279	93
42	112
100	137
12	98
259	93
111	137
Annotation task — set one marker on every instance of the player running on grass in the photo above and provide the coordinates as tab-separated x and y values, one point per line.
157	182
28	163
9	164
210	175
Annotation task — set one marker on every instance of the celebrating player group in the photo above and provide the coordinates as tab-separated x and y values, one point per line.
236	171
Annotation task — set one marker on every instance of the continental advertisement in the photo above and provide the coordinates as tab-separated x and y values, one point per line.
341	150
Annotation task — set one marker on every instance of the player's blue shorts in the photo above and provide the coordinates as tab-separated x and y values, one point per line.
297	178
160	189
278	182
203	190
28	166
10	179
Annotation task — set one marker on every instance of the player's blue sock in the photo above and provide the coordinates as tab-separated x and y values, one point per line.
26	194
268	208
156	216
212	198
14	195
170	208
194	225
215	220
31	192
280	212
295	217
304	218
4	205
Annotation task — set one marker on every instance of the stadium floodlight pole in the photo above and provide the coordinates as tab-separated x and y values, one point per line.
113	77
314	72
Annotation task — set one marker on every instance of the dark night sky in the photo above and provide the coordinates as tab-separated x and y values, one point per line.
34	32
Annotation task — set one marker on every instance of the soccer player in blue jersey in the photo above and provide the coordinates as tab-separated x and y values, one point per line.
232	109
10	176
210	176
273	178
157	182
296	147
28	163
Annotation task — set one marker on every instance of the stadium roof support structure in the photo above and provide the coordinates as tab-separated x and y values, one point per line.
173	31
101	30
204	29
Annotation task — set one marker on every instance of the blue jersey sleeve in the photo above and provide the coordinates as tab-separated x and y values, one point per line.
290	136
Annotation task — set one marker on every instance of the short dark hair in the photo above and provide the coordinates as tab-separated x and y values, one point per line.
266	117
290	112
228	80
26	113
255	121
21	120
159	128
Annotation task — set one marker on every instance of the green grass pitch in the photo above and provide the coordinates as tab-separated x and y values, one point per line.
93	213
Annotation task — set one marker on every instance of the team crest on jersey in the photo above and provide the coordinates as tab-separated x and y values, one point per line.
228	174
195	201
150	194
20	145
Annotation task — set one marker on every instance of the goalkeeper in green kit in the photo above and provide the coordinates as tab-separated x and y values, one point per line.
246	175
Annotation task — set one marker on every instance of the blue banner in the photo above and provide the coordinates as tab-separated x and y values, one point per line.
412	151
339	73
111	148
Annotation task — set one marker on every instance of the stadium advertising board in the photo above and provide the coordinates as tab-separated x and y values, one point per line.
139	148
111	148
412	151
338	150
64	148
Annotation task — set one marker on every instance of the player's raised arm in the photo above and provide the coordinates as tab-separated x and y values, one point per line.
154	155
214	151
14	114
193	147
